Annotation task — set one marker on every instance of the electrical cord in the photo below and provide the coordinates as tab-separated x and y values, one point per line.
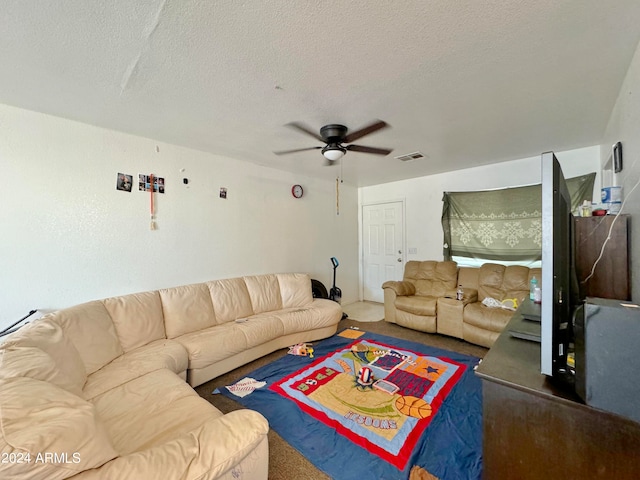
8	330
604	244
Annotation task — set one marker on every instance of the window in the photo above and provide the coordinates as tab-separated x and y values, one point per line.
502	226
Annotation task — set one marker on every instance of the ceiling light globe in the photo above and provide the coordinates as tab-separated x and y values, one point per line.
333	154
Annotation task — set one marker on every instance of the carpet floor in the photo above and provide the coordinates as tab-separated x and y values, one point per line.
285	463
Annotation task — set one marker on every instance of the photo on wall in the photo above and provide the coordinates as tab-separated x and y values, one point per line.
144	183
124	182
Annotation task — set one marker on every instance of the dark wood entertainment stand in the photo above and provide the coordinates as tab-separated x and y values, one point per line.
533	429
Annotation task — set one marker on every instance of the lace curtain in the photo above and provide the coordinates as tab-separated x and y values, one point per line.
503	225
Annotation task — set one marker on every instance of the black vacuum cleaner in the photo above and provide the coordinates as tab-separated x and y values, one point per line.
335	293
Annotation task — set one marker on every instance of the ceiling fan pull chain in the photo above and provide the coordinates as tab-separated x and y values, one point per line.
337	196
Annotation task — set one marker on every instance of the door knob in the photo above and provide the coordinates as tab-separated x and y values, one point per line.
400	260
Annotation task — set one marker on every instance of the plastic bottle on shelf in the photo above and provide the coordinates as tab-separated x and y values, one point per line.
537	295
459	293
532	287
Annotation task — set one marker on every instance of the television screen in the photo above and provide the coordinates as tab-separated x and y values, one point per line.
559	280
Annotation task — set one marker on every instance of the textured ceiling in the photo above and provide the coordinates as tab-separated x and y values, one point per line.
465	82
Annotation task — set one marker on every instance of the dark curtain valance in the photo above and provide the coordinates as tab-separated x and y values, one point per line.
503	224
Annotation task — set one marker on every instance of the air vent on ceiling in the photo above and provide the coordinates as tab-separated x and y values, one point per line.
410	157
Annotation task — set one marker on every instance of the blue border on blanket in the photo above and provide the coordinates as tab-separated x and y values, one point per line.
450	448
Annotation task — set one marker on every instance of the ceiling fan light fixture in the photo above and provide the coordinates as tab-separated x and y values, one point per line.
333	152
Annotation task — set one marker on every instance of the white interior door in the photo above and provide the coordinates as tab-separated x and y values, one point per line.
383	247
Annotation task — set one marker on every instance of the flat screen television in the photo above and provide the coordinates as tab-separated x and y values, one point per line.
560	292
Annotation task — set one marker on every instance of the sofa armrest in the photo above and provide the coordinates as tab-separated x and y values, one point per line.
208	452
470	295
400	288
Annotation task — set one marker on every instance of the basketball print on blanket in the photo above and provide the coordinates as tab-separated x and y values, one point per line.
377	395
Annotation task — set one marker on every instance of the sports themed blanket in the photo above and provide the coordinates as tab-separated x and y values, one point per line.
374	405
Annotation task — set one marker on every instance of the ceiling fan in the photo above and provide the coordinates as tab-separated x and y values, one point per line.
334	135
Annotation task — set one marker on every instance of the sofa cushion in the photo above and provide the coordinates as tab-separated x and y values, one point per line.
432	278
468	277
230	299
187	309
137	318
39	418
500	282
320	314
417	305
90	328
232	446
40	350
264	292
516	282
150	410
487	318
163	354
295	289
211	345
259	329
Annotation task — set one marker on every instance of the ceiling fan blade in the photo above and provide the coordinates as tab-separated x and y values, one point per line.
363	149
365	131
305	129
284	152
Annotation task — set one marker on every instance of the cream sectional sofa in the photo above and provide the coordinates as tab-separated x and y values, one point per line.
425	299
98	390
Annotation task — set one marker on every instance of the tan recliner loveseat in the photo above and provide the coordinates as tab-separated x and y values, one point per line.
436	310
413	301
479	323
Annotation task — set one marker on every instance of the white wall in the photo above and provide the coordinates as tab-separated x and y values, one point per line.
423	196
624	126
68	236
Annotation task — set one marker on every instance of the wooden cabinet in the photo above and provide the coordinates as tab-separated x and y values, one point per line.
535	429
611	278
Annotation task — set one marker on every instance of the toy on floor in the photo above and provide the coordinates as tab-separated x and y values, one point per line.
365	377
301	349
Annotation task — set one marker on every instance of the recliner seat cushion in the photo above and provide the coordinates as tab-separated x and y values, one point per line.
417	305
479	315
